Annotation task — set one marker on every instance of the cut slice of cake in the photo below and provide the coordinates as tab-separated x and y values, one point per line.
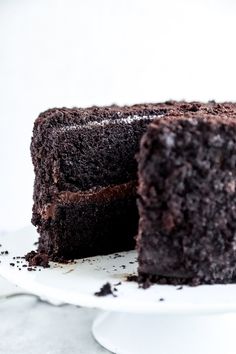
187	193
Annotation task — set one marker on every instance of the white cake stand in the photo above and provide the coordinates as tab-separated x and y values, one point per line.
158	320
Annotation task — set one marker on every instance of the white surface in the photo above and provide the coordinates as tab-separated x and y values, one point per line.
140	334
29	326
70	52
77	283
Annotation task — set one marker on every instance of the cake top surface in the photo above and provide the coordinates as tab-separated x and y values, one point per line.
195	118
117	112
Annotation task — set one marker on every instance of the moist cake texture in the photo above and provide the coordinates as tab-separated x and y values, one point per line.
86	174
186	199
85	178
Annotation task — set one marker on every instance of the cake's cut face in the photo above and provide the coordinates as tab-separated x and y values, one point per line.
187	193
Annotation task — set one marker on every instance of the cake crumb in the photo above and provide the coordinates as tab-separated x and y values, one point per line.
179	288
37	259
117	284
132	277
30	269
105	290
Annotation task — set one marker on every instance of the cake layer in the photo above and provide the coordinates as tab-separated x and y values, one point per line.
77	149
84	152
187	191
96	195
87	224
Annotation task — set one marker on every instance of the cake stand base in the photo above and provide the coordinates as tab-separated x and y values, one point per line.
123	333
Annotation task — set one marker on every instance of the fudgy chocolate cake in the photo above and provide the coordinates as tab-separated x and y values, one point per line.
86	173
85	178
187	193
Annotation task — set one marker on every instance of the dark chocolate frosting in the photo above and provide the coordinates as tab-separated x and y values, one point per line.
98	195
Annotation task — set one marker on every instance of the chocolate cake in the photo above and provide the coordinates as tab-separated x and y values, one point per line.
86	176
186	198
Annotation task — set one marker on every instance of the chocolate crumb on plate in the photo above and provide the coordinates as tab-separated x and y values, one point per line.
37	259
105	290
179	288
4	252
30	269
118	284
132	277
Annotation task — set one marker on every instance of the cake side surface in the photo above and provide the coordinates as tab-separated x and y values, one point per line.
187	180
66	150
92	151
80	225
66	144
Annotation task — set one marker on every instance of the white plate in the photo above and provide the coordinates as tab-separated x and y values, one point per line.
77	283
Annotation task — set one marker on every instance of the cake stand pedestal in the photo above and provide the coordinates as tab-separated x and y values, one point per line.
123	333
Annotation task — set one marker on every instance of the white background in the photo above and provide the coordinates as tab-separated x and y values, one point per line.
85	52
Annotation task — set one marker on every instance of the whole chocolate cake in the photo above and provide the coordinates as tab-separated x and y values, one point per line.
86	177
187	193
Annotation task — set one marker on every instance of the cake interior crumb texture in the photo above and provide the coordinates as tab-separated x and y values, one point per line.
186	199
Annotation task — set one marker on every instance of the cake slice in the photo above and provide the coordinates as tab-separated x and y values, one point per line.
187	193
